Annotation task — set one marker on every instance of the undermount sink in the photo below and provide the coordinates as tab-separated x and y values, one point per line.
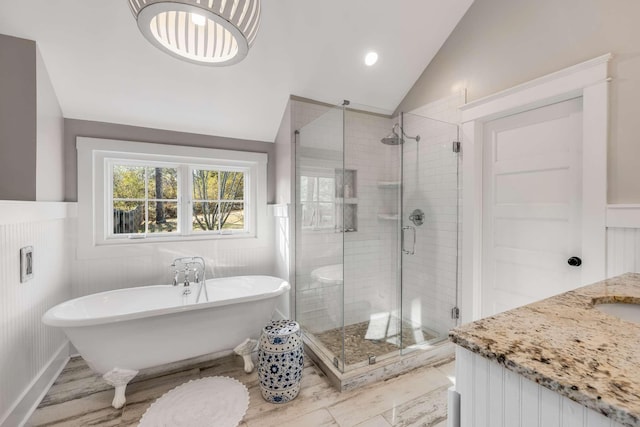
624	311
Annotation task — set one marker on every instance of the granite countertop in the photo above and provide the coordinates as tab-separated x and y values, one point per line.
565	344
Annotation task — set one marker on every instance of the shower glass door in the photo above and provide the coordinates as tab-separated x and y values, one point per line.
428	230
376	232
319	288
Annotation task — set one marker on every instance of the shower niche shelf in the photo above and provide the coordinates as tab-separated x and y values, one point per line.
346	183
350	201
347	200
350	223
388	216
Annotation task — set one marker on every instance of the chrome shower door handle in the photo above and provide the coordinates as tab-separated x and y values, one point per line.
404	240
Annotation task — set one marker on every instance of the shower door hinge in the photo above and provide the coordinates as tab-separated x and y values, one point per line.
455	313
336	362
456	146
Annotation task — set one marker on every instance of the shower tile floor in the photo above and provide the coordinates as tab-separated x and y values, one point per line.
367	339
81	398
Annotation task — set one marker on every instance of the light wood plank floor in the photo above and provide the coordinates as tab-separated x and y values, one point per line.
419	398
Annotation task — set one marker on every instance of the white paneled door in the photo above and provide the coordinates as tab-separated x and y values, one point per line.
532	205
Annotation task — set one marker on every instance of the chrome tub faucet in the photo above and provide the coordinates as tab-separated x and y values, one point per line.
187	266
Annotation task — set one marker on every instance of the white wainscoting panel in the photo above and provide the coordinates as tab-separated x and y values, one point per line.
623	239
282	239
150	264
623	251
30	352
492	396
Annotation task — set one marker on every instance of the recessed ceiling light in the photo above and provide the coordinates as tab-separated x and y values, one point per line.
371	58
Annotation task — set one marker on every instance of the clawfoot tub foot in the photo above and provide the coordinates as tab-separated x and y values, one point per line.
119	378
245	349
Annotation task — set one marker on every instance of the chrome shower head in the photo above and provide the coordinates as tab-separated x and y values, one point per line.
394	139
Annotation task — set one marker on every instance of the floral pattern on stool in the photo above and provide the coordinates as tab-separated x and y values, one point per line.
280	361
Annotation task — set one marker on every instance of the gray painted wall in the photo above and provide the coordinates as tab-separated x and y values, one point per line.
501	43
17	119
74	128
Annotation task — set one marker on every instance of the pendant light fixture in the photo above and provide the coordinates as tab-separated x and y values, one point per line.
207	32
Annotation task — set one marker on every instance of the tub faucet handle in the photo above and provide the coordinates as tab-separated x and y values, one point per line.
186	276
175	277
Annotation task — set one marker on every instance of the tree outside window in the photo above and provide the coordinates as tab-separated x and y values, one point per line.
145	199
218	200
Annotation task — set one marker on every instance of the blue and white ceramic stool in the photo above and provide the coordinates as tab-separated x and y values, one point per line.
280	361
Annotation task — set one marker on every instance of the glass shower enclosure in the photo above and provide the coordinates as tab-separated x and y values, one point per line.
376	236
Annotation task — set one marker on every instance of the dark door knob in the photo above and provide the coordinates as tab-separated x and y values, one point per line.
574	261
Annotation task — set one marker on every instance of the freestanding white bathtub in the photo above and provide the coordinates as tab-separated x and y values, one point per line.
120	332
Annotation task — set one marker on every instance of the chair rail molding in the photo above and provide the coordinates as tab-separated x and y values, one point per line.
623	216
17	212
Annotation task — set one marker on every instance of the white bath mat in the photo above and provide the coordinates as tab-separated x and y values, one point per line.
207	402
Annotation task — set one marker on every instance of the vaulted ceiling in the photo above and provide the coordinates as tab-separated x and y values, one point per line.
103	69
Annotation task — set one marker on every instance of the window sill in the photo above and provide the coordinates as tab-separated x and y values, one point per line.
141	240
146	247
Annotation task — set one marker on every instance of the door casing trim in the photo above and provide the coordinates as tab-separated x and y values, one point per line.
588	80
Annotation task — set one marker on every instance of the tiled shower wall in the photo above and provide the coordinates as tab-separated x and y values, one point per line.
371	253
26	345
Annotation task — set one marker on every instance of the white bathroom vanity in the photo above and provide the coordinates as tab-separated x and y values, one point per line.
558	362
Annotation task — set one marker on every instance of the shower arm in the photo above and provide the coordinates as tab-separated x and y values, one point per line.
403	134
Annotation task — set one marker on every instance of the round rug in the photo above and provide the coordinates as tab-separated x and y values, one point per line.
207	402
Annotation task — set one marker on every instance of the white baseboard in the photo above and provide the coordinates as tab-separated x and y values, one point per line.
35	392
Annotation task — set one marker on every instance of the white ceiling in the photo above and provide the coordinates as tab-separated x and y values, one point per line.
103	69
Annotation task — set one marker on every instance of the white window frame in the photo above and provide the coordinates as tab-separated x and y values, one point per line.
108	221
94	217
248	199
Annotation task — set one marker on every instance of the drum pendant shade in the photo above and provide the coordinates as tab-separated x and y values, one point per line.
207	32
